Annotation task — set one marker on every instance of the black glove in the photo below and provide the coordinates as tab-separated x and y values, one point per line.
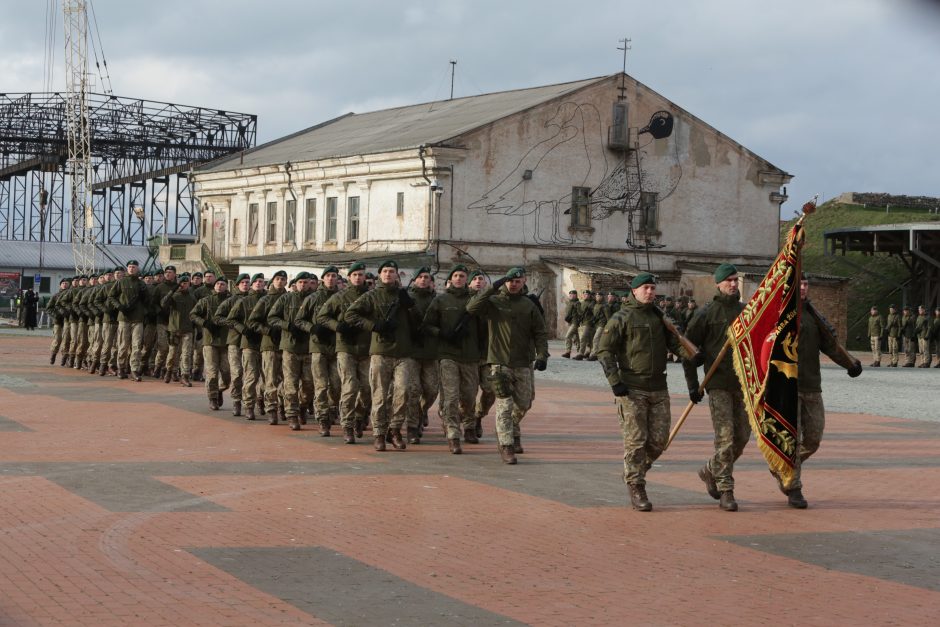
344	328
541	364
498	283
294	329
695	395
620	389
405	299
384	327
855	370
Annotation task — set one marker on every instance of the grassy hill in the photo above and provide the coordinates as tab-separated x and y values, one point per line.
864	289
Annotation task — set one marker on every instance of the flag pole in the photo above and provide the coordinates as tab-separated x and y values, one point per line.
701	389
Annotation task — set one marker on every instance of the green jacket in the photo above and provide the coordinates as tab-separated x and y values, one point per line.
633	348
907	327
935	329
332	315
202	291
516	333
159	300
258	319
586	308
448	314
129	297
203	316
573	313
54	307
383	304
295	338
425	345
893	325
922	327
237	319
811	342
179	304
322	338
876	326
709	331
601	314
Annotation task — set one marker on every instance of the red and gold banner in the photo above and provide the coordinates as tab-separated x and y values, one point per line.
764	340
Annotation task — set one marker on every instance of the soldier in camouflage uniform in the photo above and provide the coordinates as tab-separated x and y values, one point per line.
893	331
516	338
708	330
601	314
64	306
633	356
922	330
129	297
487	396
161	344
199	290
179	303
909	335
59	329
244	345
425	353
80	324
586	329
573	318
270	342
876	329
388	312
214	343
294	347
326	382
352	354
935	334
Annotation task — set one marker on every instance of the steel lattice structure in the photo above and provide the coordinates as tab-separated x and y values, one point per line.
141	155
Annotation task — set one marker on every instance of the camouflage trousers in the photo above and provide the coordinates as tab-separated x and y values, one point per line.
487	396
148	355
218	375
298	381
355	399
271	371
596	342
644	421
130	338
429	377
812	425
923	349
515	389
586	339
250	377
79	334
161	346
459	383
394	384
98	345
572	339
58	339
893	350
198	357
109	345
732	431
180	354
875	348
326	385
910	349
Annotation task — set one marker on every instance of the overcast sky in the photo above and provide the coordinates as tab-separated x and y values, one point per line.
843	94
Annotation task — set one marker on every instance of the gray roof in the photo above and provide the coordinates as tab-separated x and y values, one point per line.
58	256
397	129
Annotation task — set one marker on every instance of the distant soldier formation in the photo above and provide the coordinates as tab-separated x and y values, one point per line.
913	333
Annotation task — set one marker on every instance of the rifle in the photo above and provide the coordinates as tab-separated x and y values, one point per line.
690	348
848	360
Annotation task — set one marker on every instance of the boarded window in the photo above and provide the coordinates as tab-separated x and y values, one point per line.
331	204
253	223
310	235
290	221
352	213
580	207
400	205
649	206
236	232
271	235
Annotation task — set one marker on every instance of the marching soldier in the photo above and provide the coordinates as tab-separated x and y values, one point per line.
922	330
129	298
65	306
425	353
59	328
233	353
876	328
689	312
601	314
244	352
909	334
893	330
586	329
326	381
270	342
487	396
148	355
214	343
573	318
179	304
199	291
160	292
295	349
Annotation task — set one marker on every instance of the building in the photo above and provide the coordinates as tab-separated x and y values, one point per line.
569	179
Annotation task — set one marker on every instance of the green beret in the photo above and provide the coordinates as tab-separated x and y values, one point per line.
516	273
197	274
183	278
355	267
907	308
220	278
369	275
668	299
575	292
242	277
329	269
423	270
457	268
257	276
302	276
390	263
168	268
291	282
279	273
65	279
133	262
474	275
724	271
643	278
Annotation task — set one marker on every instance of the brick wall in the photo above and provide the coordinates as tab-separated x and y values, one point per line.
831	300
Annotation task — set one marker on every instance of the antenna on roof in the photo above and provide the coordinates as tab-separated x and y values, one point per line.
453	68
623	78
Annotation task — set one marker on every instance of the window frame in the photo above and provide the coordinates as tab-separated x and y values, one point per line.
332	209
270	215
253	210
352	221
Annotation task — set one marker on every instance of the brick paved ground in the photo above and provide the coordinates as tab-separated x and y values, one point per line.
125	503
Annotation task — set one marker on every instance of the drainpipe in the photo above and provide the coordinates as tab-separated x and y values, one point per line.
424	173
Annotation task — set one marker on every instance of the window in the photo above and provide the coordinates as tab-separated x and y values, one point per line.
331	219
253	223
352	213
310	235
649	207
205	228
271	222
580	207
290	221
236	233
400	205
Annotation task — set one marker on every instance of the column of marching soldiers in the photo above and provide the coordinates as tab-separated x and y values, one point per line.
363	351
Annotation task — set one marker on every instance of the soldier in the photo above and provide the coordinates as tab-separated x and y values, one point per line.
573	318
876	328
935	334
516	336
689	312
459	348
613	305
352	354
162	314
129	297
270	341
244	345
388	312
59	335
708	330
893	330
669	309
909	333
586	329
487	395
922	330
109	365
149	343
425	353
98	305
179	303
80	320
601	314
214	343
294	347
812	340
326	383
633	356
199	291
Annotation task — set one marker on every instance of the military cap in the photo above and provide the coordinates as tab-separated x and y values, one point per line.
723	271
369	275
183	278
65	279
197	274
570	292
279	273
458	267
133	262
892	306
329	269
220	278
474	275
388	263
668	299
588	292
516	273
242	277
291	282
641	279
302	276
355	267
168	268
423	270
691	300
907	308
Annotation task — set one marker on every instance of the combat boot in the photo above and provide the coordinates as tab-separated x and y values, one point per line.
176	375
104	371
94	368
260	405
710	486
566	354
137	376
167	377
349	436
65	359
592	358
875	364
325	428
358	428
479	427
197	375
506	454
219	397
250	412
214	403
638	498
272	419
470	436
122	373
414	436
379	442
295	424
517	445
237	408
578	357
795	499
727	502
52	360
397	442
303	415
454	445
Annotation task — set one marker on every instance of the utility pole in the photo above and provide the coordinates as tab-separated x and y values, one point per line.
453	69
79	136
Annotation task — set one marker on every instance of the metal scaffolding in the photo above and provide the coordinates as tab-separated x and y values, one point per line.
142	155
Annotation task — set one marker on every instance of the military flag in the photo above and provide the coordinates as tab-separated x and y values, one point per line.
763	342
